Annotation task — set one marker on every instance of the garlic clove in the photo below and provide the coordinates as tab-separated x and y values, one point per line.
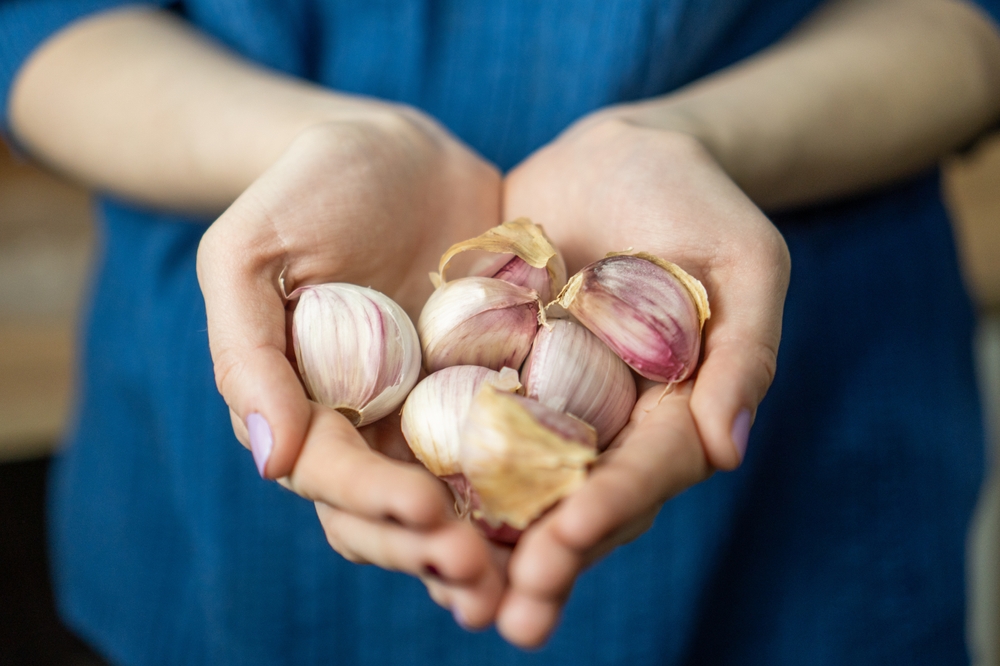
357	350
478	321
521	457
648	311
436	408
518	271
570	370
541	267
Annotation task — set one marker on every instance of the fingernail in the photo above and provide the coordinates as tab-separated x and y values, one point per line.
741	432
432	571
459	618
261	441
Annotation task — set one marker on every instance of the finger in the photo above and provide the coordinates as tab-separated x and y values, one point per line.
741	350
246	330
660	457
526	621
453	560
337	467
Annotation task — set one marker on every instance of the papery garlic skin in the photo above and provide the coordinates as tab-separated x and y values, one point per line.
357	350
540	266
521	457
478	321
648	311
570	370
435	411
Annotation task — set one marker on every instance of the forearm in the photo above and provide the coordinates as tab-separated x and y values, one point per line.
137	103
865	92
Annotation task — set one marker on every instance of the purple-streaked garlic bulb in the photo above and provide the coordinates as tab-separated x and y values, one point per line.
478	321
649	311
518	252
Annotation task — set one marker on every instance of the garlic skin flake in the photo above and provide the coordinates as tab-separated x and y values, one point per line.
521	457
357	350
478	321
648	311
435	411
570	370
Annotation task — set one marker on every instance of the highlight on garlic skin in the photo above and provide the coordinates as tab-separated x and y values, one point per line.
570	370
650	312
435	411
521	457
357	350
478	321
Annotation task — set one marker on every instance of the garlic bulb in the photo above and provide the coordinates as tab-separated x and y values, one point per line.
570	370
647	310
526	257
518	271
357	350
478	321
436	408
521	457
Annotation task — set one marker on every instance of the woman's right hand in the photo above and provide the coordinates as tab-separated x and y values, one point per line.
373	202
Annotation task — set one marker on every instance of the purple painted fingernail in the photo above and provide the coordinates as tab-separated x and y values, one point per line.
741	432
261	441
459	618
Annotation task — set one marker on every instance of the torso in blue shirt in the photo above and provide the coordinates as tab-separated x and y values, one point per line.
840	541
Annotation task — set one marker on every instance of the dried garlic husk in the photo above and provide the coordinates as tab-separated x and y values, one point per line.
521	457
526	258
436	408
649	311
357	350
570	370
478	321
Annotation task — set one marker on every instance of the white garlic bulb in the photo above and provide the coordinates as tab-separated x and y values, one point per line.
435	411
569	369
478	321
357	350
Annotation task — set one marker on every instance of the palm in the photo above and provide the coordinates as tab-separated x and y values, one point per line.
360	204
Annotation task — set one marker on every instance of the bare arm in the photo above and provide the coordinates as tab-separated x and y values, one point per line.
138	103
863	93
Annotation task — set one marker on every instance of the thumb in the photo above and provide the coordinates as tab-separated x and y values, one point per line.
741	352
247	336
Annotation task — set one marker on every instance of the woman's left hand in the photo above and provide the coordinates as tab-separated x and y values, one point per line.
608	184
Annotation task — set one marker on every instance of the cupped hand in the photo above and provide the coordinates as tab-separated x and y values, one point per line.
609	184
373	202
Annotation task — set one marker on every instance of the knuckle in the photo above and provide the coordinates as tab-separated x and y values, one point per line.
227	369
765	357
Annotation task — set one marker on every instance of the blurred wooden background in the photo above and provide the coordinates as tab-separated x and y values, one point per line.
45	244
46	240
